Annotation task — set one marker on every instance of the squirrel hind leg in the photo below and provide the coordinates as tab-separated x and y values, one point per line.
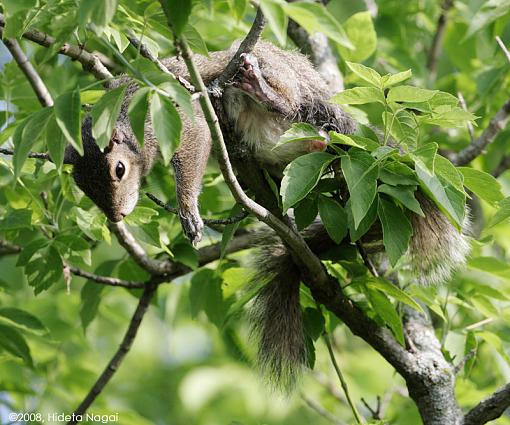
277	323
437	249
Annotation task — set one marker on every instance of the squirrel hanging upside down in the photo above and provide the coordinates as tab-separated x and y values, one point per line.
273	89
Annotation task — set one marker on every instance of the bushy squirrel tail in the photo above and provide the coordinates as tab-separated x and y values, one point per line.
437	248
276	317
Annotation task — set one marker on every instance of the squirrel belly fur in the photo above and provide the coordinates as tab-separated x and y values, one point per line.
273	89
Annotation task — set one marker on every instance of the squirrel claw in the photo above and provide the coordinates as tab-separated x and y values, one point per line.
192	225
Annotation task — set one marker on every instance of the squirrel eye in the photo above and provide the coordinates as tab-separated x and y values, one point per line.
120	169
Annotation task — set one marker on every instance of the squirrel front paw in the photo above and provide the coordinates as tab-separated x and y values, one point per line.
192	225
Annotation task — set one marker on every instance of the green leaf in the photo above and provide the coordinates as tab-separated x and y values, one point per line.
104	115
30	133
471	345
352	140
276	19
29	250
166	124
366	223
403	194
360	31
67	113
369	75
397	230
137	113
177	13
195	40
313	322
17	219
358	96
487	14
234	279
490	265
409	94
393	291
360	170
56	142
314	17
306	211
14	343
98	12
392	79
301	176
502	214
397	173
484	185
334	218
22	318
205	295
387	312
298	132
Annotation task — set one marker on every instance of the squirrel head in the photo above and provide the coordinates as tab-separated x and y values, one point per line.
111	178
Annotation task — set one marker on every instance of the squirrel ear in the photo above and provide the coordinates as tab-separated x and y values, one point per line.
116	138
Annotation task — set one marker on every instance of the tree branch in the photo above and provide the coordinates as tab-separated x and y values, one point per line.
146	53
27	68
131	245
106	280
437	41
312	404
207	221
7	248
36	155
246	46
89	61
490	408
496	125
123	349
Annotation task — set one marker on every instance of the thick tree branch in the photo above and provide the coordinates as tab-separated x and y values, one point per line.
490	408
123	349
437	41
27	68
131	245
89	61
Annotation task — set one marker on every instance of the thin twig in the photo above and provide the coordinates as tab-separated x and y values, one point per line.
366	259
106	280
246	46
343	383
146	53
7	248
312	404
503	166
123	349
36	155
207	221
469	125
30	72
490	408
437	41
374	412
503	47
464	360
90	62
496	125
